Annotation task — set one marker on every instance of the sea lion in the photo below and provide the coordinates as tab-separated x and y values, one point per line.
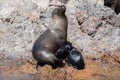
51	40
71	55
114	4
75	59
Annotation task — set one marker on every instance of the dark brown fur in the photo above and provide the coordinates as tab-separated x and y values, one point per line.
114	4
51	40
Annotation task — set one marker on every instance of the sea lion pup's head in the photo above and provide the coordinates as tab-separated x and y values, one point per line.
59	12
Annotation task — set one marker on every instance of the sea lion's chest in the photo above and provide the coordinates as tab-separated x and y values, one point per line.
60	36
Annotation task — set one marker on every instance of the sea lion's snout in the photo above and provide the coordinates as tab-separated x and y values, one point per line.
63	8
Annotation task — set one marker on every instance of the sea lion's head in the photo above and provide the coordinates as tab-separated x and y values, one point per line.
59	11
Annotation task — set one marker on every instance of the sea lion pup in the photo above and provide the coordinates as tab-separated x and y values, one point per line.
72	56
51	40
114	4
75	59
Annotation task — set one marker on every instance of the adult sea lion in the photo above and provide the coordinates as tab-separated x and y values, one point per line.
51	40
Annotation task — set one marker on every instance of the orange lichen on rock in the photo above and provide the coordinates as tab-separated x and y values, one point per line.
104	67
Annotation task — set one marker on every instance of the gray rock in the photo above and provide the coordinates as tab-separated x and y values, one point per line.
93	28
64	1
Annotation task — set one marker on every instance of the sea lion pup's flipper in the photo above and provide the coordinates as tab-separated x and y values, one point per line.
68	45
48	58
63	51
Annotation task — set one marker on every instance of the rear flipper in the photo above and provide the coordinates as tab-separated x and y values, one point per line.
39	64
57	63
49	59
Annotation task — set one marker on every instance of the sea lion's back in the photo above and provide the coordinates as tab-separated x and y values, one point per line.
47	40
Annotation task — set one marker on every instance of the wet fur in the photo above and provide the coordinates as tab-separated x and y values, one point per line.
51	40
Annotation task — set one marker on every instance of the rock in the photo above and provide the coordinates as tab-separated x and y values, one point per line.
42	3
64	1
114	4
6	10
93	28
115	21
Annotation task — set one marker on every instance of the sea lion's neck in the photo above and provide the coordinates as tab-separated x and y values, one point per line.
61	23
